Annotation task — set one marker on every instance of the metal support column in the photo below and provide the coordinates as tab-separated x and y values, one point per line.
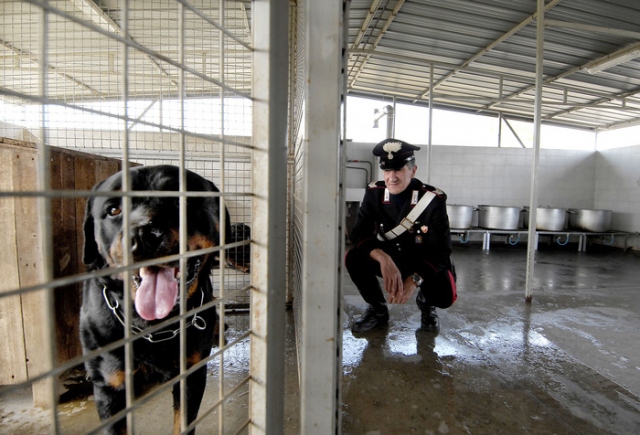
533	199
269	160
431	68
321	331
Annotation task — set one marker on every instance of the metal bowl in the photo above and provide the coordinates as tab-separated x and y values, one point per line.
460	216
496	217
547	218
596	221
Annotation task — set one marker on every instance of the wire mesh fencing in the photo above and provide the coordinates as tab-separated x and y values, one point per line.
89	89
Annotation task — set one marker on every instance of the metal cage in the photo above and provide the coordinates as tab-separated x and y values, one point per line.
90	88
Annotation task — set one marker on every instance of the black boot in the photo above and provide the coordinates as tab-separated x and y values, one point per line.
371	319
429	319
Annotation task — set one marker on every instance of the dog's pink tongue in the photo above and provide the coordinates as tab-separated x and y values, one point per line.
157	293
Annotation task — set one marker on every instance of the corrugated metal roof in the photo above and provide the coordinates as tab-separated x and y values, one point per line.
483	54
84	56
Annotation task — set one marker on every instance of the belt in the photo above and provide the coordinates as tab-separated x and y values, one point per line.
408	221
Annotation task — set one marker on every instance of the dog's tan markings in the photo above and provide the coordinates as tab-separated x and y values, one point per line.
198	241
176	421
114	253
216	333
194	286
174	237
134	289
193	359
195	242
116	379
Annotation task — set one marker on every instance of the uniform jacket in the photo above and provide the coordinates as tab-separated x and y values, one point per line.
428	241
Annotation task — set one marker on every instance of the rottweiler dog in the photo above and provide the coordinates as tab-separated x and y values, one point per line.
154	231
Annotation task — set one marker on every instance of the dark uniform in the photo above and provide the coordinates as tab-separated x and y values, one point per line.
424	249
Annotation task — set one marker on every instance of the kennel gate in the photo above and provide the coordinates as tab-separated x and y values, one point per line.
92	86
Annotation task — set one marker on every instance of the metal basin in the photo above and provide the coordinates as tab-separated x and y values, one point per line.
547	218
460	216
596	221
496	217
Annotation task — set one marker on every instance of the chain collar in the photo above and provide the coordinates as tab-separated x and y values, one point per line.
158	336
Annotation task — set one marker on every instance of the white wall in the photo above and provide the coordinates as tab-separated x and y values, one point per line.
502	176
618	187
608	179
498	176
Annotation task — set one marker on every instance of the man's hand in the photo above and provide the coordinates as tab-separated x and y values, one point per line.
399	292
390	272
408	290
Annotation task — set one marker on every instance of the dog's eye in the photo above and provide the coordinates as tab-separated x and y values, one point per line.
114	211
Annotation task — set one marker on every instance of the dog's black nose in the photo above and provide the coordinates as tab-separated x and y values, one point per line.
146	239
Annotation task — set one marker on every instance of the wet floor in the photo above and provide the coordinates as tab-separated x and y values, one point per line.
568	363
77	414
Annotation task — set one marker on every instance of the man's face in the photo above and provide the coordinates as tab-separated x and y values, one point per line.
398	180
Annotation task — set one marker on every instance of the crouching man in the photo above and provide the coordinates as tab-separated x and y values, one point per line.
401	234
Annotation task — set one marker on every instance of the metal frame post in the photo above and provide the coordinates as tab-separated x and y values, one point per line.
321	330
269	160
533	199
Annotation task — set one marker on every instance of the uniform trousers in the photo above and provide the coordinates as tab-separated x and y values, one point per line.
364	272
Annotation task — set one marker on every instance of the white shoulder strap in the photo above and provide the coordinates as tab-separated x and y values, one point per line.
410	219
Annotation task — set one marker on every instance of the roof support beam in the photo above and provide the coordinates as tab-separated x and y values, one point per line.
489	47
365	24
522	78
550	80
390	19
508	124
97	15
596	104
590	28
100	18
23	54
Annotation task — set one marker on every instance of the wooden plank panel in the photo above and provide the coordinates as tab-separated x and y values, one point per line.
21	258
30	261
13	366
105	168
68	299
30	269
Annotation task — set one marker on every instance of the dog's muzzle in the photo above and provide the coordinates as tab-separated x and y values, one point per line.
157	288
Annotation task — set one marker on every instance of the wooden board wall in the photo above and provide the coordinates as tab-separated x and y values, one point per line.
13	366
21	256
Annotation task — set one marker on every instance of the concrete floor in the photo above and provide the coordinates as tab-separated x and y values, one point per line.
77	414
568	363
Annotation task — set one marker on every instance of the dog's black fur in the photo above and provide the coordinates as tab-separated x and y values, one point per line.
154	223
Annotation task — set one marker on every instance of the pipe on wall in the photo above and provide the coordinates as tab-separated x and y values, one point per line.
364	162
387	111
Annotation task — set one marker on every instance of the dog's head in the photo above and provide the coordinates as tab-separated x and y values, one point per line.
154	230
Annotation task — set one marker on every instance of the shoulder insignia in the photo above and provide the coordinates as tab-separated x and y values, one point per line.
376	184
433	189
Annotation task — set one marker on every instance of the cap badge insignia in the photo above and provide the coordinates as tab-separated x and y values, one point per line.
392	147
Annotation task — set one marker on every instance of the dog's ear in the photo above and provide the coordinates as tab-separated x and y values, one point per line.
91	256
90	252
227	233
